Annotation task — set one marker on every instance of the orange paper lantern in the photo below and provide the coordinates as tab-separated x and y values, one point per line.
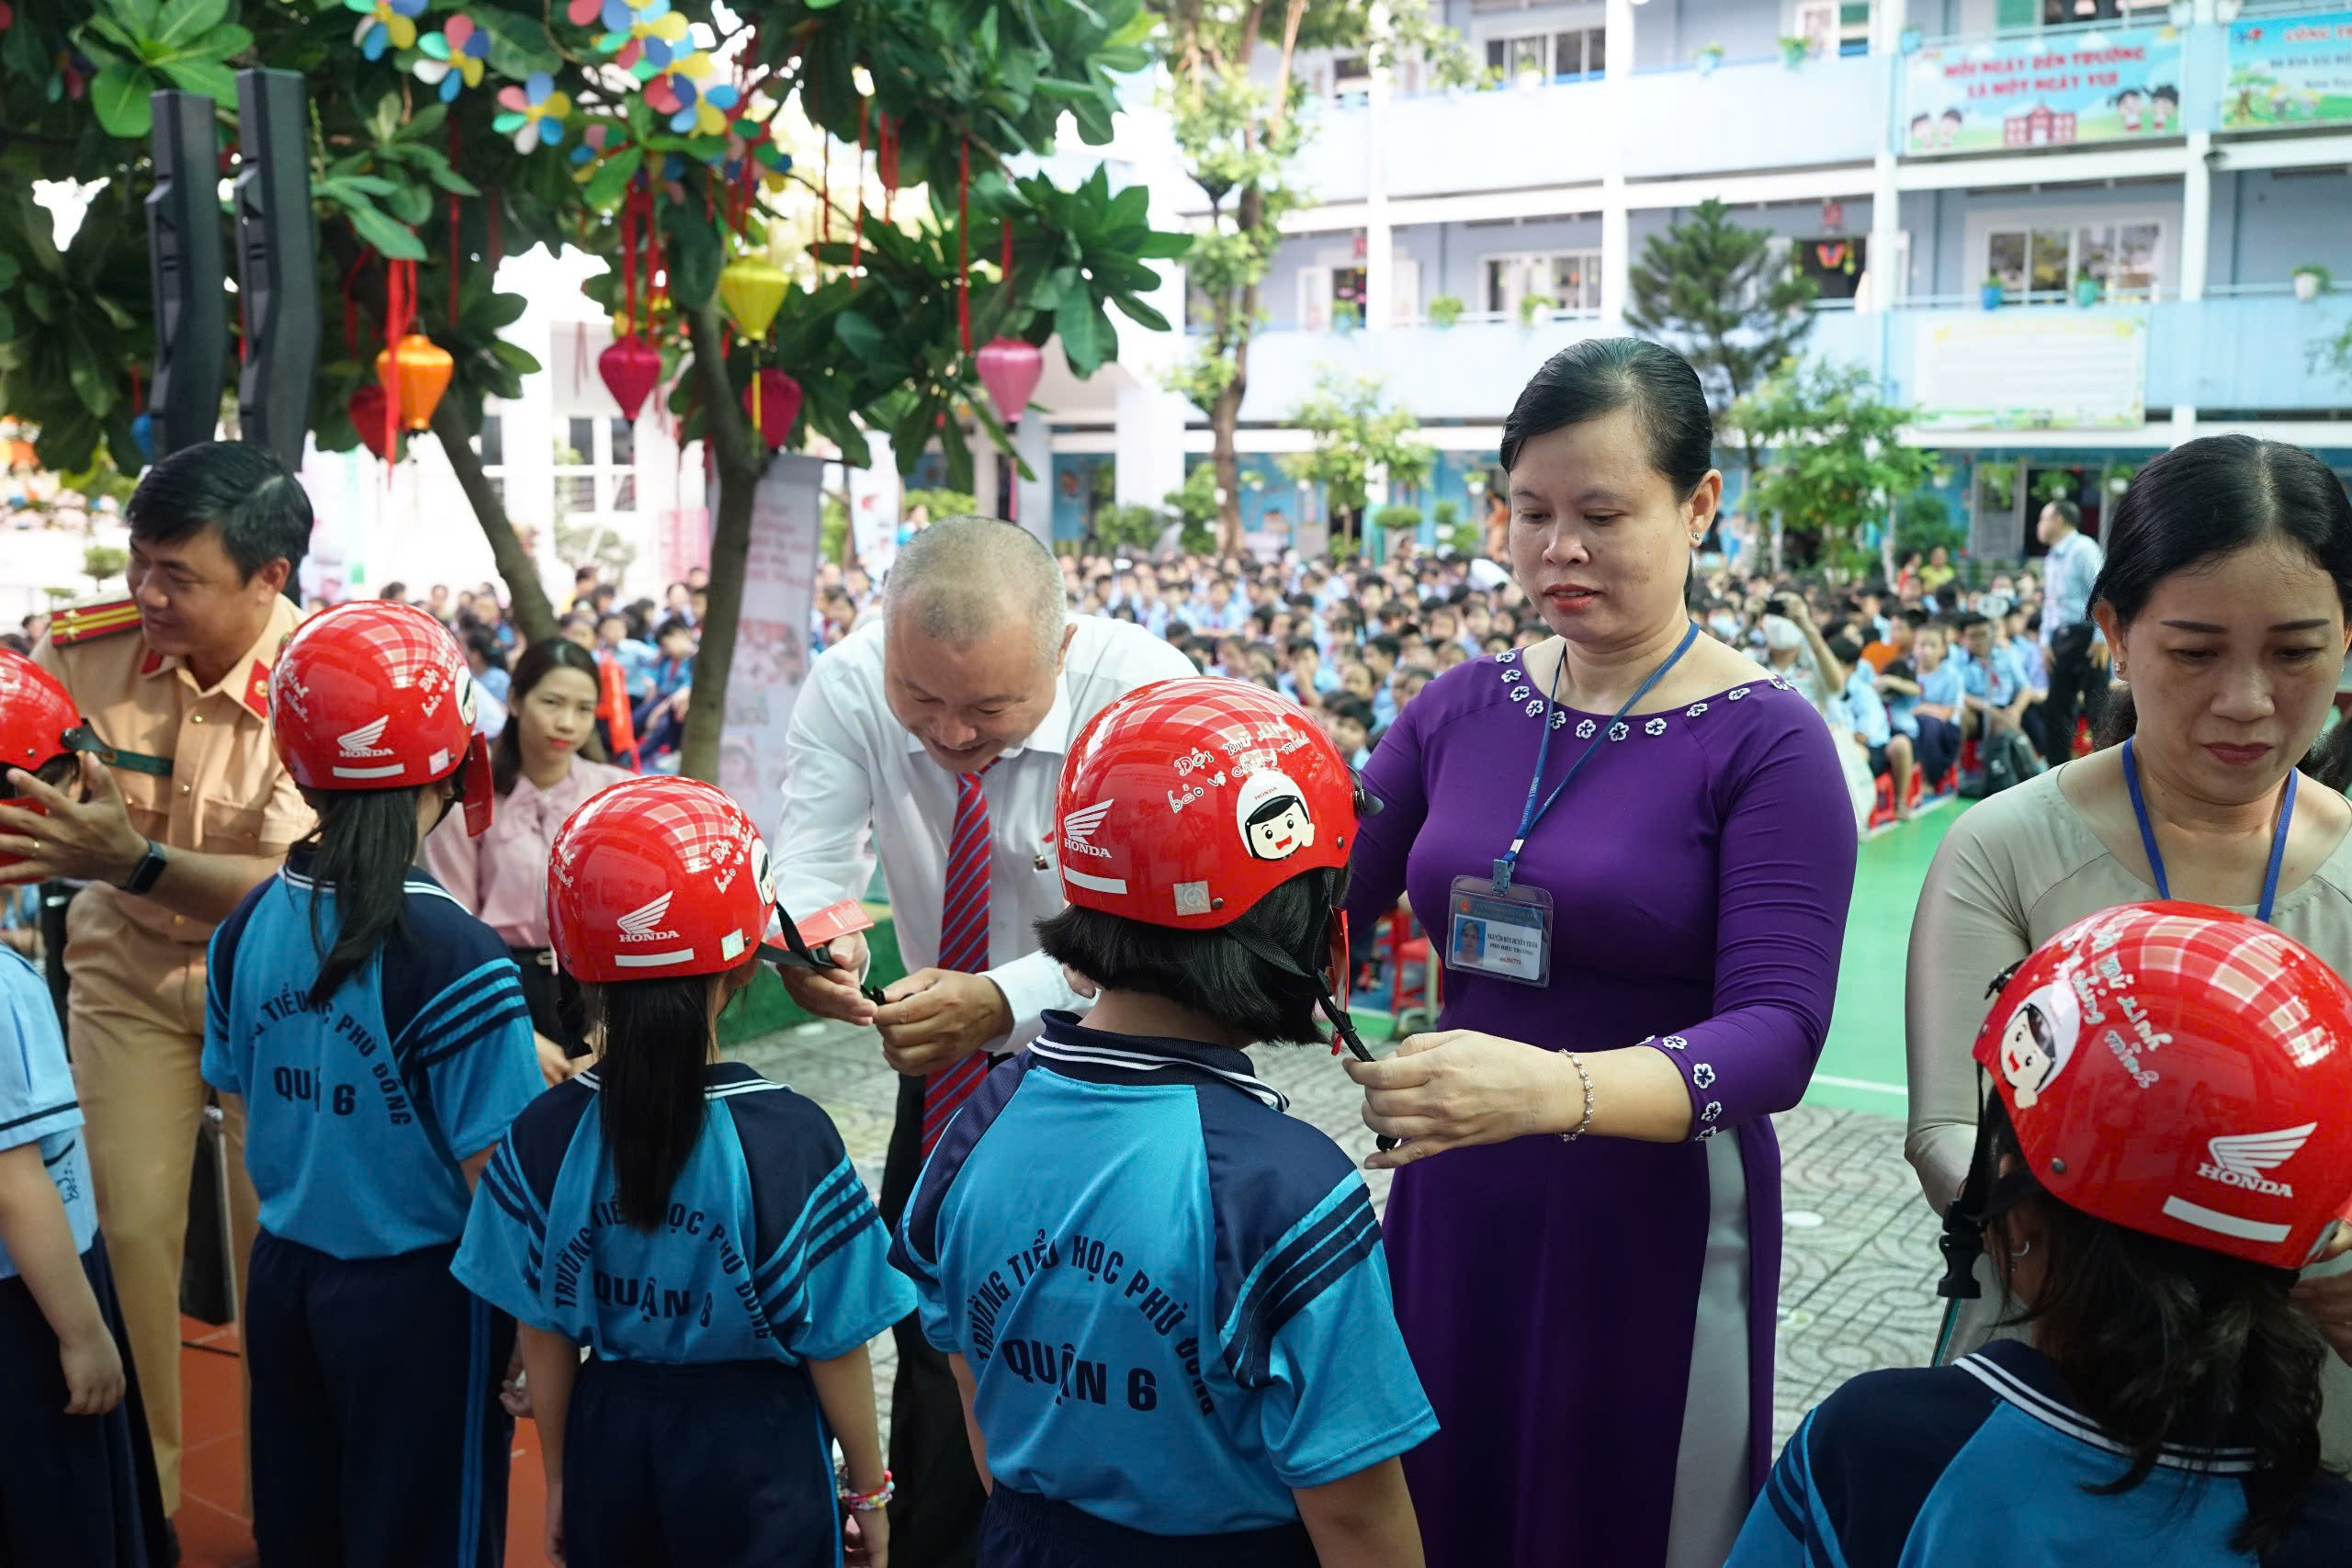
414	373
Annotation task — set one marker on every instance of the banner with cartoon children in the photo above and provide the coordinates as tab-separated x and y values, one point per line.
2288	71
2016	94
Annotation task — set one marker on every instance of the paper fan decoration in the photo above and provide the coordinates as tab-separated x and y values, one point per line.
643	41
385	25
695	102
534	113
454	57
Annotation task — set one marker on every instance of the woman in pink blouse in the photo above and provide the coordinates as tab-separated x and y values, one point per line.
541	764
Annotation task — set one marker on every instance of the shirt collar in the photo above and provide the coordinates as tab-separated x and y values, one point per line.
1098	1055
720	1080
2024	1379
247	681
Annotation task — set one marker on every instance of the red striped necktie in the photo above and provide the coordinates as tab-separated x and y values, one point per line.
963	944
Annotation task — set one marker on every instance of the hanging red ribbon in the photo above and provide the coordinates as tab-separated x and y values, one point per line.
134	392
888	161
964	242
399	310
857	236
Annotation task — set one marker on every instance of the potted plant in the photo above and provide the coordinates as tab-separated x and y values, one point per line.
2087	288
1708	58
2120	477
1397	519
1989	291
1445	309
1796	52
2311	280
1533	308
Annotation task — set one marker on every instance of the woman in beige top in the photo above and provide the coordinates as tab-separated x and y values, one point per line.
2224	599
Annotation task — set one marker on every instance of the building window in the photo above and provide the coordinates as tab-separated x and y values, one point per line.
1834	263
491	445
1569	279
574	494
2039	265
2062	13
1530	58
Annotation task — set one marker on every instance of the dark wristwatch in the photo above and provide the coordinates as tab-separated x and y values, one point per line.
143	876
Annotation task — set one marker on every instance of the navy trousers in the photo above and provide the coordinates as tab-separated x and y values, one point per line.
75	1491
378	1438
717	1464
1021	1529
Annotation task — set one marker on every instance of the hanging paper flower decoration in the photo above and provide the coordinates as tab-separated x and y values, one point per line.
645	39
70	78
534	112
583	13
750	139
598	139
695	103
454	56
385	25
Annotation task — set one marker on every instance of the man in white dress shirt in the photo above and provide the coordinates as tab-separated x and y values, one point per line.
936	740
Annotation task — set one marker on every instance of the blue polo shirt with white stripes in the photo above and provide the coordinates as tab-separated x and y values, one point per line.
359	1111
1173	1295
1987	1464
37	1102
770	1249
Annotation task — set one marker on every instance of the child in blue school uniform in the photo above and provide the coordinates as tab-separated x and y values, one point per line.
78	1487
1165	1301
697	1228
2162	1150
380	1038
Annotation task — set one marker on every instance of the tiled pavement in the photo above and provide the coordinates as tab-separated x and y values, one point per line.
1858	1266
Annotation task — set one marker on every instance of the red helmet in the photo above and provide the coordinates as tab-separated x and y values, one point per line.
376	695
2183	1071
39	724
1185	802
657	878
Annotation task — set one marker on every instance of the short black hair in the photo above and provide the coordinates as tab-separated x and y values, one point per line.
1208	972
1600	376
235	486
1392	646
1844	649
2216	495
2068	513
671	623
1349	707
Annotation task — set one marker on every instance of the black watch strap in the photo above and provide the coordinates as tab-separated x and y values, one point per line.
144	874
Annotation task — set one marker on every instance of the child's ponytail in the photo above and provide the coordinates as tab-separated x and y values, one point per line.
655	1036
360	857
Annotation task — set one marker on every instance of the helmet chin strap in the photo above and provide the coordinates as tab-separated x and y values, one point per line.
1308	965
1962	1240
796	953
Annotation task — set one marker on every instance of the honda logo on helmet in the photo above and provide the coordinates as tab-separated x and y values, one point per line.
2240	1160
361	742
641	924
1079	828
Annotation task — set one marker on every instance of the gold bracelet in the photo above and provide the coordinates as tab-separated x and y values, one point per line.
1578	1063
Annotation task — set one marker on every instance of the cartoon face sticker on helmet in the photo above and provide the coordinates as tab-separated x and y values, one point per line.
2039	1041
468	707
763	871
1273	817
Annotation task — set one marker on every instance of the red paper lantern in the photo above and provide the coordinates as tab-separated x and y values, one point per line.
1011	370
631	368
772	400
415	371
367	410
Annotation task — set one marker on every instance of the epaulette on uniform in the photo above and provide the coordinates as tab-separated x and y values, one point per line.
88	622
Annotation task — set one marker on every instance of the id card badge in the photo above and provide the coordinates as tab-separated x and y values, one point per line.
1505	935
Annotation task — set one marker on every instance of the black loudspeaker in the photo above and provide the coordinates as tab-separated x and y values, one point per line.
277	275
184	260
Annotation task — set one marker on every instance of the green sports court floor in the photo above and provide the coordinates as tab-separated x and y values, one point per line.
1861	1065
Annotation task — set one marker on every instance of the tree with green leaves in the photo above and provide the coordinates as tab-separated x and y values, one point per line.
1358	438
1837	461
1237	137
446	136
1730	301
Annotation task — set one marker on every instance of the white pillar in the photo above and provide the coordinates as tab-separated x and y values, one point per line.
984	472
1035	444
1616	252
1148	444
1888	20
2196	215
1887	261
1379	243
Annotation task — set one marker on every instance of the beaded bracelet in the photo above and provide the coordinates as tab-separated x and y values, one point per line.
1578	1063
866	1502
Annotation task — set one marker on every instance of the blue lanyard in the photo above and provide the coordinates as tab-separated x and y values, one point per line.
2156	861
1509	863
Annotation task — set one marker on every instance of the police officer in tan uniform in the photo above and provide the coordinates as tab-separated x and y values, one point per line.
188	811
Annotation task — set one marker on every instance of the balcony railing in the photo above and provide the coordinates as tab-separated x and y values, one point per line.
2246	350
